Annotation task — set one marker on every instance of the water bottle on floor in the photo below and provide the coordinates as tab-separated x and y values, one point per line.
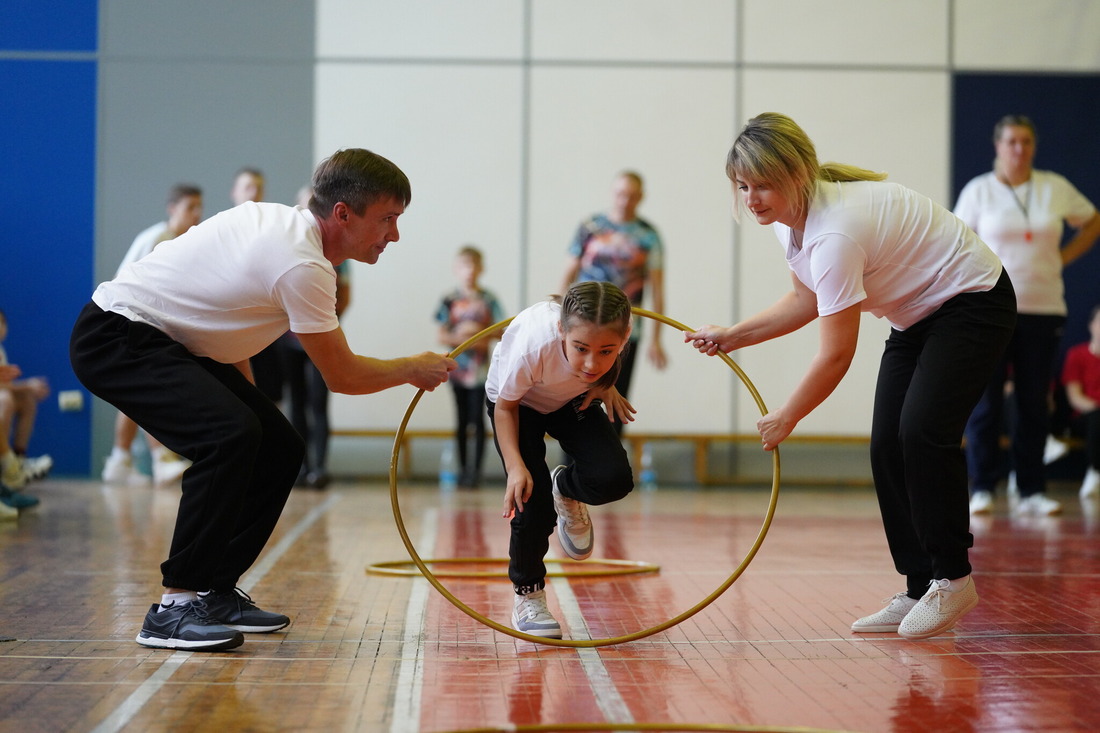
448	468
648	474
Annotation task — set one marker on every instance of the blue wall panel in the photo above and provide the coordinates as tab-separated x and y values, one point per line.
48	25
47	186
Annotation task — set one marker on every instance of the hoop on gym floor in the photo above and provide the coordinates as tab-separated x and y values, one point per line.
580	643
590	568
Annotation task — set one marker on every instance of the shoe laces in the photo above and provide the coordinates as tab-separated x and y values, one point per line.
534	605
243	599
576	513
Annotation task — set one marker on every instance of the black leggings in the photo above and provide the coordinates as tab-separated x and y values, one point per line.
599	473
245	454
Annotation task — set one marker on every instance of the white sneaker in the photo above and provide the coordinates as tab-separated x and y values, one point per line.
938	610
36	468
1011	487
8	512
574	526
118	468
12	474
888	619
981	502
1091	485
531	616
1054	450
1038	505
168	467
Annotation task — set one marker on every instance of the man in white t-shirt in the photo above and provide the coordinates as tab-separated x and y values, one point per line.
168	342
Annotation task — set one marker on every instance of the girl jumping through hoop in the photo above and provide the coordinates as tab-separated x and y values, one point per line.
555	365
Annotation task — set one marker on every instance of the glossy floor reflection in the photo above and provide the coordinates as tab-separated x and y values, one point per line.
380	653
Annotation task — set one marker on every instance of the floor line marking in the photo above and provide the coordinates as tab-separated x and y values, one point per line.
410	674
608	698
124	713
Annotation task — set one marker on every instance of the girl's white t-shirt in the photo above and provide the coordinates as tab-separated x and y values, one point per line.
529	363
1023	226
897	253
230	286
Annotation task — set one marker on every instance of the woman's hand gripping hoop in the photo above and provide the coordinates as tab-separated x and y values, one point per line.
580	643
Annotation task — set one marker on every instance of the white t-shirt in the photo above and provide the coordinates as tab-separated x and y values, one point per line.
529	363
230	286
1041	207
897	253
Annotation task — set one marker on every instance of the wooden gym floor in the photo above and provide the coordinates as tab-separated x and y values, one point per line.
368	652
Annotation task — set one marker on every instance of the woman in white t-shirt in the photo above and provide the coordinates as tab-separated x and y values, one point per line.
855	243
1021	213
555	365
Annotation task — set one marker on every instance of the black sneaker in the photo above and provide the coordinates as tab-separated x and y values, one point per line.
235	609
186	626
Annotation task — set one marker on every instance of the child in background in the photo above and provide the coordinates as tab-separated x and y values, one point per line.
463	312
19	400
556	363
1081	377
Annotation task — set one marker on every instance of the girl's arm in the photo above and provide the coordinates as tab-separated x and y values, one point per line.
519	482
839	334
790	313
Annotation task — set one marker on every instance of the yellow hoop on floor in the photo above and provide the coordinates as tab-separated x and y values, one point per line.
580	643
589	568
666	727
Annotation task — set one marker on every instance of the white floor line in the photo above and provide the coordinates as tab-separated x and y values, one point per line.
608	698
124	713
410	676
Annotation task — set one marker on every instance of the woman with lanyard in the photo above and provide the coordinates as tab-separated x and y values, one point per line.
1020	213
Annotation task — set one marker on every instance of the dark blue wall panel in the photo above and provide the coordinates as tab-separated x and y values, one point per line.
1065	110
47	186
48	25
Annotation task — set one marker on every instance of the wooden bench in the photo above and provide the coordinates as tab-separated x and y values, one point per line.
701	444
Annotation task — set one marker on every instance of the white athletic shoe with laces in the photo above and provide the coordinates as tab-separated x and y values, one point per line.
888	619
118	468
531	616
938	610
574	526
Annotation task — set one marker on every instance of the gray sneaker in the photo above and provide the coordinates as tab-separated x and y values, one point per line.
574	526
186	626
531	616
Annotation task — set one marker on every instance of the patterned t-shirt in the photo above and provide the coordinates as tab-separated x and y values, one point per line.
622	254
482	309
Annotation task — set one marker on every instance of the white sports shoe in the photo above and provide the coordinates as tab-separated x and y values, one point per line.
1037	505
531	616
118	468
38	467
1054	449
981	502
1091	485
888	619
168	467
938	610
574	526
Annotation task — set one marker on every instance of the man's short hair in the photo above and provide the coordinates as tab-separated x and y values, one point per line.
359	178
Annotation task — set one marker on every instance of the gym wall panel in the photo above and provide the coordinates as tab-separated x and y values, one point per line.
48	25
674	127
647	31
419	29
1027	36
455	131
889	121
47	180
857	32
